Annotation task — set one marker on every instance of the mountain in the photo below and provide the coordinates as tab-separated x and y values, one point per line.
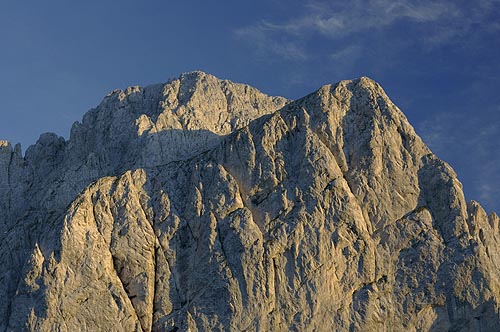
206	205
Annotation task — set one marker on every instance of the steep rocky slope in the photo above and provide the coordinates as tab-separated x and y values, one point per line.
205	205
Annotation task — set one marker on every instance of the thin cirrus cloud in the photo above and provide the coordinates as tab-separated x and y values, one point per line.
442	21
267	39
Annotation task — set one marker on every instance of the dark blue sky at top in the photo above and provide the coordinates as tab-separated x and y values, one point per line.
437	60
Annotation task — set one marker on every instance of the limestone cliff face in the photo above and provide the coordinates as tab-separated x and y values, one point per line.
205	205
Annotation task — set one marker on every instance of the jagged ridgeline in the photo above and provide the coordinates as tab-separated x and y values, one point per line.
206	205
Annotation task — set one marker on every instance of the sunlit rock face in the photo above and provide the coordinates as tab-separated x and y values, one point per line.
206	205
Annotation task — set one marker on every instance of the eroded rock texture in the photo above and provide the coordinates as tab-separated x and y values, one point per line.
205	205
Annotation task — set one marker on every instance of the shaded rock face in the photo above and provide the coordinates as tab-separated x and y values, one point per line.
205	205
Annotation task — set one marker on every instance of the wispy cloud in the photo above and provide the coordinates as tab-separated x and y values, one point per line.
268	41
351	51
356	16
338	20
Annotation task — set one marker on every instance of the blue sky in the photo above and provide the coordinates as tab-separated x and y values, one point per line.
437	60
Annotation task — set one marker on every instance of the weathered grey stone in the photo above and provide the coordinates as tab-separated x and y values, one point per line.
205	205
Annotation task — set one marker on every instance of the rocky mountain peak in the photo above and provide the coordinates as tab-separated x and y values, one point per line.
205	205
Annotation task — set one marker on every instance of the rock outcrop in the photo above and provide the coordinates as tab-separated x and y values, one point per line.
205	205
